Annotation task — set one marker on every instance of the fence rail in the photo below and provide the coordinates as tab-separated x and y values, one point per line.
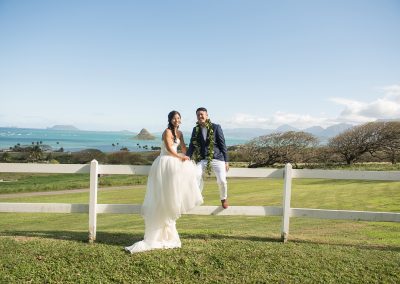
93	208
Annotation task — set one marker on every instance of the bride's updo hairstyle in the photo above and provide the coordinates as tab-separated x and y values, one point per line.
170	126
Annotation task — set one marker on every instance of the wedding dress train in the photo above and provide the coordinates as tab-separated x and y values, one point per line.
173	188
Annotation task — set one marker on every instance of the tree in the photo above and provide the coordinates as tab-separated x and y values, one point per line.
49	157
391	143
6	157
35	154
358	140
256	154
286	147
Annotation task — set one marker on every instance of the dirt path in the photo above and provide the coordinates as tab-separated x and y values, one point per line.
60	192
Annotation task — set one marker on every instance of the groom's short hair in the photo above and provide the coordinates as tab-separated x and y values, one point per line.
201	109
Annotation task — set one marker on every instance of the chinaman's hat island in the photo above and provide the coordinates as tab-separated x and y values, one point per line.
144	135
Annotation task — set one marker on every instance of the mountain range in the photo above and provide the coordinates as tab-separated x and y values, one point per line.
63	127
318	131
248	133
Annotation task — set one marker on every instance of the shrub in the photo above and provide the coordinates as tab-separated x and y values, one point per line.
126	158
86	156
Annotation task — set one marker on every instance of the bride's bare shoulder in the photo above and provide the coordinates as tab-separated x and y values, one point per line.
167	133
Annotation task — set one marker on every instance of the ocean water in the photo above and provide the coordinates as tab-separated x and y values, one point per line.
79	140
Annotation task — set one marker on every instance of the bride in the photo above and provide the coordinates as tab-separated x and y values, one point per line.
173	188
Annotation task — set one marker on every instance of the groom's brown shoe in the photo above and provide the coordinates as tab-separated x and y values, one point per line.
224	203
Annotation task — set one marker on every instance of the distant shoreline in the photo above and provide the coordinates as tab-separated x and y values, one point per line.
75	141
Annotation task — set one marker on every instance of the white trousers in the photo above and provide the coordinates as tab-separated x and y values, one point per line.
220	173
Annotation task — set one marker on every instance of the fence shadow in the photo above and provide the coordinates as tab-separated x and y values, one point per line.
123	239
343	244
116	238
113	238
214	236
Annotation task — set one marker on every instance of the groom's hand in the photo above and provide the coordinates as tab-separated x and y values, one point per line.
227	166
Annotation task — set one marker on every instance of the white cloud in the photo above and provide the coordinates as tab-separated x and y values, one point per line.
354	112
386	107
277	119
381	108
392	91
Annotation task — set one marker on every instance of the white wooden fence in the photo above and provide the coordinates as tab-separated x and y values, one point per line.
93	208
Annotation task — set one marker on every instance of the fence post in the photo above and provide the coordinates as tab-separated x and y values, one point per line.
287	191
94	169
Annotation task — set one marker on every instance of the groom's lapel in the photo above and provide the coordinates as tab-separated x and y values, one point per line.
208	137
201	140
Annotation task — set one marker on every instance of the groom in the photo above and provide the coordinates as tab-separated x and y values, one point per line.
207	148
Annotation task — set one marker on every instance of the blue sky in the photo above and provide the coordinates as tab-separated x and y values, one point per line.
115	65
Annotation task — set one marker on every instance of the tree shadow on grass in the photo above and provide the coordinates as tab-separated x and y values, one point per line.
125	239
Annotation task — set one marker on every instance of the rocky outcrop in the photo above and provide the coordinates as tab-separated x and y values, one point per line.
144	135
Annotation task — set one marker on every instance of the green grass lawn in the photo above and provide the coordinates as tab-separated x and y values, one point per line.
27	182
40	248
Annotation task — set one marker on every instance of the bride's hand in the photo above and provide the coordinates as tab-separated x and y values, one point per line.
184	158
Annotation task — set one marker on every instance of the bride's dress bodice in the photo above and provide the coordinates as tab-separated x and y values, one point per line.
164	150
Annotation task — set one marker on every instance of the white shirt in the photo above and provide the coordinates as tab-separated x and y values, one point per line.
204	132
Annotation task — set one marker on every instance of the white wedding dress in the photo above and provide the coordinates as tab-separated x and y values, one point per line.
173	188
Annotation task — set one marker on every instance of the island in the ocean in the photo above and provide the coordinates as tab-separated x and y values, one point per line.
144	135
63	127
